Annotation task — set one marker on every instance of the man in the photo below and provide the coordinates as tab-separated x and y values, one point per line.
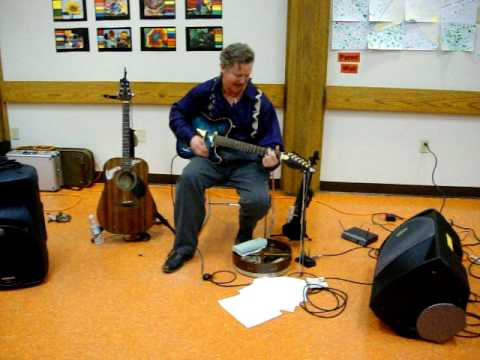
231	95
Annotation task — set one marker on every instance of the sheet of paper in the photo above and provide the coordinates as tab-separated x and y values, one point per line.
421	36
387	10
350	10
459	11
458	37
422	10
386	36
477	45
349	35
265	299
404	36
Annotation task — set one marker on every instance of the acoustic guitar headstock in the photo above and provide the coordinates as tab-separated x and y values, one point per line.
125	92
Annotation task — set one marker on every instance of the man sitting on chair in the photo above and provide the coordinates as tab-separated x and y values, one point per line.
231	95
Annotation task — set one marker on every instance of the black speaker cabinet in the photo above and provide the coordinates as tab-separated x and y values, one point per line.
420	287
23	237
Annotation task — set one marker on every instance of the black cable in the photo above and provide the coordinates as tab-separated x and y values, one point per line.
210	277
348	251
313	309
171	185
466	333
433	178
348	280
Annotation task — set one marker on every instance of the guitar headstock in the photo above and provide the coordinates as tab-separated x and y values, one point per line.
296	162
125	93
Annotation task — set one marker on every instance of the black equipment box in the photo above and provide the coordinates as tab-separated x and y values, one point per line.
23	237
78	167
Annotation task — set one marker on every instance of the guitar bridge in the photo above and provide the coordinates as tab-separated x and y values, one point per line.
127	203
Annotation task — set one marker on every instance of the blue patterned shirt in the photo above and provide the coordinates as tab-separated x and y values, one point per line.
253	116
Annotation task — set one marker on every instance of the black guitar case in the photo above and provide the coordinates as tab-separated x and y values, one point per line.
23	237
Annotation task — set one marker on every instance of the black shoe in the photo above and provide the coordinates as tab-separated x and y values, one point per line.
175	261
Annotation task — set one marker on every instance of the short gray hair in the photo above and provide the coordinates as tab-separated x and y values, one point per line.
236	53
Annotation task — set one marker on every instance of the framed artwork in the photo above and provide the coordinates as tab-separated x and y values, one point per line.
205	38
159	38
69	10
112	9
195	9
157	9
114	39
71	40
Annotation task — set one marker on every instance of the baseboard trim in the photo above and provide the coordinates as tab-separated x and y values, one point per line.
425	190
391	189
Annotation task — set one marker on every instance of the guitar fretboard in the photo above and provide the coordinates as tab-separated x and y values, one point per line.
126	160
240	145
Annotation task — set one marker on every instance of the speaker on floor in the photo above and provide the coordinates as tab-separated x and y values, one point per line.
420	286
23	237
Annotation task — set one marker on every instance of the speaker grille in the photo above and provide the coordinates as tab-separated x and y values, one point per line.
404	238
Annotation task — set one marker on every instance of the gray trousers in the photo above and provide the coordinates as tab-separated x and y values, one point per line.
250	180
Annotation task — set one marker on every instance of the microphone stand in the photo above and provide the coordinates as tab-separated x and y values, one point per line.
303	259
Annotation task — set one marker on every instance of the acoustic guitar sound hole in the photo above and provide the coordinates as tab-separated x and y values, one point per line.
126	181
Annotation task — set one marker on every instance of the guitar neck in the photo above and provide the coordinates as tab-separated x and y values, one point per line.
239	145
126	138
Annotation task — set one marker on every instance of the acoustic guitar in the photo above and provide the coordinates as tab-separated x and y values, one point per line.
126	205
215	134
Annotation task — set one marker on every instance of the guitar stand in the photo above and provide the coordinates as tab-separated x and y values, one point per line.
303	259
143	236
158	219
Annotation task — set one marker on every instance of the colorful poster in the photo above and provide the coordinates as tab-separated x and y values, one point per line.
207	38
157	9
69	10
112	9
203	9
71	39
114	39
158	38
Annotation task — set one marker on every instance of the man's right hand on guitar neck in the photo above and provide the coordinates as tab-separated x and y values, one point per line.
198	146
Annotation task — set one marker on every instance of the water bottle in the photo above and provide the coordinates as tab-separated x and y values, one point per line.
95	230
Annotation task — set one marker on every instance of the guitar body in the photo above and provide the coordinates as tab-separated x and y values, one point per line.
126	205
221	126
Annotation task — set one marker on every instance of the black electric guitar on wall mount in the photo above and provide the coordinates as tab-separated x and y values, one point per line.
126	205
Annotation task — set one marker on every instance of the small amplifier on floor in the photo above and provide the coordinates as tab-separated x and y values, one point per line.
359	236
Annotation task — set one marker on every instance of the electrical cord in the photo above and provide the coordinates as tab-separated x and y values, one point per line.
433	177
213	277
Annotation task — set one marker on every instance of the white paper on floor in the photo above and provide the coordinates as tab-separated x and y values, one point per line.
265	299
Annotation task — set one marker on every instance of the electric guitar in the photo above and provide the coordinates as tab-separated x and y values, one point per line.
126	205
215	134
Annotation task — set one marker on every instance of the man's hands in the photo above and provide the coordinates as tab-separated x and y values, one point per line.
198	146
270	159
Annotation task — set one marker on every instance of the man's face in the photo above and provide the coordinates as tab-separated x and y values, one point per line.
235	77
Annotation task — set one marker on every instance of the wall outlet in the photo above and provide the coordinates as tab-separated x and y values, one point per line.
423	146
14	134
